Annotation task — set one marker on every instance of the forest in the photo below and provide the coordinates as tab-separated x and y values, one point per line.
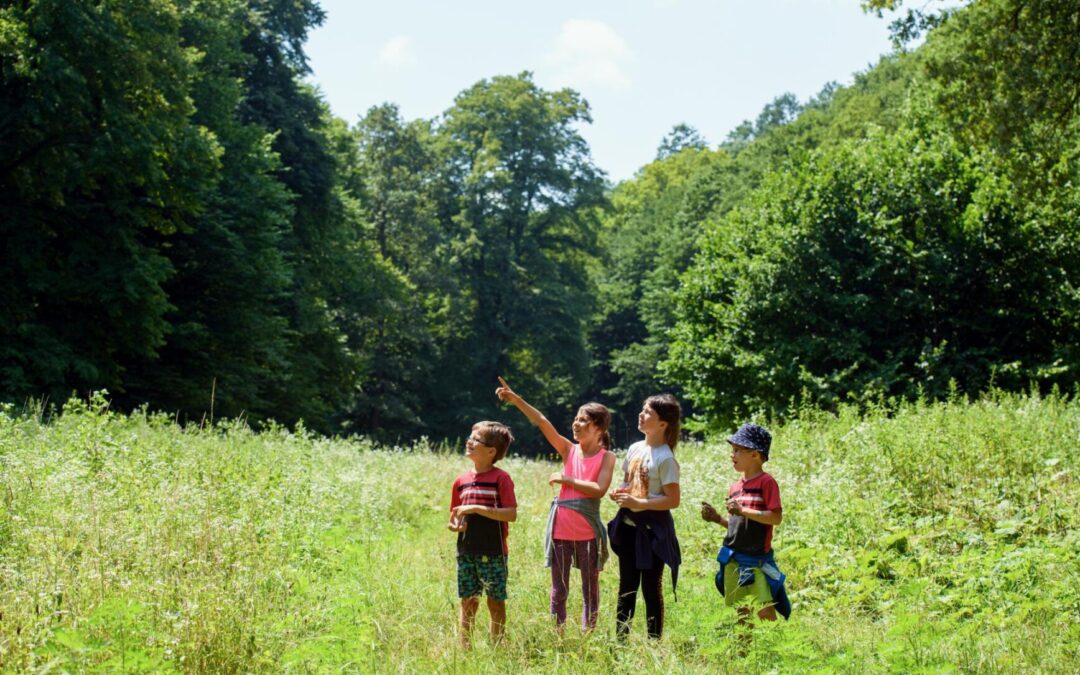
185	225
242	341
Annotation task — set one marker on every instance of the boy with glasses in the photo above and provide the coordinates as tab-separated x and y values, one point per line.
482	502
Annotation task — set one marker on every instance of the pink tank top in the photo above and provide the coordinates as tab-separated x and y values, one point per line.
569	524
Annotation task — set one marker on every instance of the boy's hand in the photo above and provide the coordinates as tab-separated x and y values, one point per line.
464	510
504	392
710	514
734	507
456	524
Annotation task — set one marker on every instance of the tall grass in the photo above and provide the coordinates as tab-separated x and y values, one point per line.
934	537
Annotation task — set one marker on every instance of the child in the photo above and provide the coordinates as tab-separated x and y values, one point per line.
643	531
481	504
575	534
748	571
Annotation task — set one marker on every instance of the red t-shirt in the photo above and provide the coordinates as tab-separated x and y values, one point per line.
482	535
760	493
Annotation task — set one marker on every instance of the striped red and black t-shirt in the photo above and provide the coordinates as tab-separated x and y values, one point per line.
760	493
482	535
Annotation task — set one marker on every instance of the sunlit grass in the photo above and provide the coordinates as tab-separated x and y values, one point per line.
933	537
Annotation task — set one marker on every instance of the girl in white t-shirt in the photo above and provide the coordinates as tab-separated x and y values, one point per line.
643	531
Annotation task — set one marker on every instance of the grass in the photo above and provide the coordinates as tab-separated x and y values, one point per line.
933	537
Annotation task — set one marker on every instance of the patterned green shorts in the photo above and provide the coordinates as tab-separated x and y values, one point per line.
479	573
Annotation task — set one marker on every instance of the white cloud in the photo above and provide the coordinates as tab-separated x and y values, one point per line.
589	53
397	52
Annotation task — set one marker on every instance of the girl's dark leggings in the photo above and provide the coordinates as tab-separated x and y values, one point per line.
630	579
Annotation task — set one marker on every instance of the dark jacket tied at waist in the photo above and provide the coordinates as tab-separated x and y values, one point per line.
654	538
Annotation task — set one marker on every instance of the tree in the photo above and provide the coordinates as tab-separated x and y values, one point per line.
319	237
778	112
648	238
891	267
397	184
101	159
681	137
522	190
1006	75
652	233
390	169
227	344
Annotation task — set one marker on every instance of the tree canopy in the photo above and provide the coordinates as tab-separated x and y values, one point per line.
186	225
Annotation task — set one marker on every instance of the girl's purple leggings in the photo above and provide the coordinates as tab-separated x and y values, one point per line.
585	553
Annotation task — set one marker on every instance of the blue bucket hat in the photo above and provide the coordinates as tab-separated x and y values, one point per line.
754	437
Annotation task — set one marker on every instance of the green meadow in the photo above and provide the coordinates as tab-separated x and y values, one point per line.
925	538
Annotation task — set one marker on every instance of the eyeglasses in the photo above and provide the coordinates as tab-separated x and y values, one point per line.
476	441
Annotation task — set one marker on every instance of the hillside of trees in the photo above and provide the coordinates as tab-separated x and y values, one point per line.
186	225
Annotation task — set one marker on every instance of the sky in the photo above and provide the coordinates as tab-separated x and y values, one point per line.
643	65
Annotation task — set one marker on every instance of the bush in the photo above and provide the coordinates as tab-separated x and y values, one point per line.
894	267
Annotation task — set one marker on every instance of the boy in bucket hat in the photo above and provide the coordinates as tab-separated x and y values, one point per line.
748	573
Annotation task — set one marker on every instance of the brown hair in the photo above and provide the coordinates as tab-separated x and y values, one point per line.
599	415
668	410
495	435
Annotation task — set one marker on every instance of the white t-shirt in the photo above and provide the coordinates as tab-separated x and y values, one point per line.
648	470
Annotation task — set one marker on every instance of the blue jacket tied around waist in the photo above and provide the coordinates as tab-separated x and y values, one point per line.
747	564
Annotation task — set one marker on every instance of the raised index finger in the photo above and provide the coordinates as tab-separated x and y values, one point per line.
502	381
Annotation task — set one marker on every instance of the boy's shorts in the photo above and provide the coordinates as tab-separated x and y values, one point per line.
479	573
735	595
